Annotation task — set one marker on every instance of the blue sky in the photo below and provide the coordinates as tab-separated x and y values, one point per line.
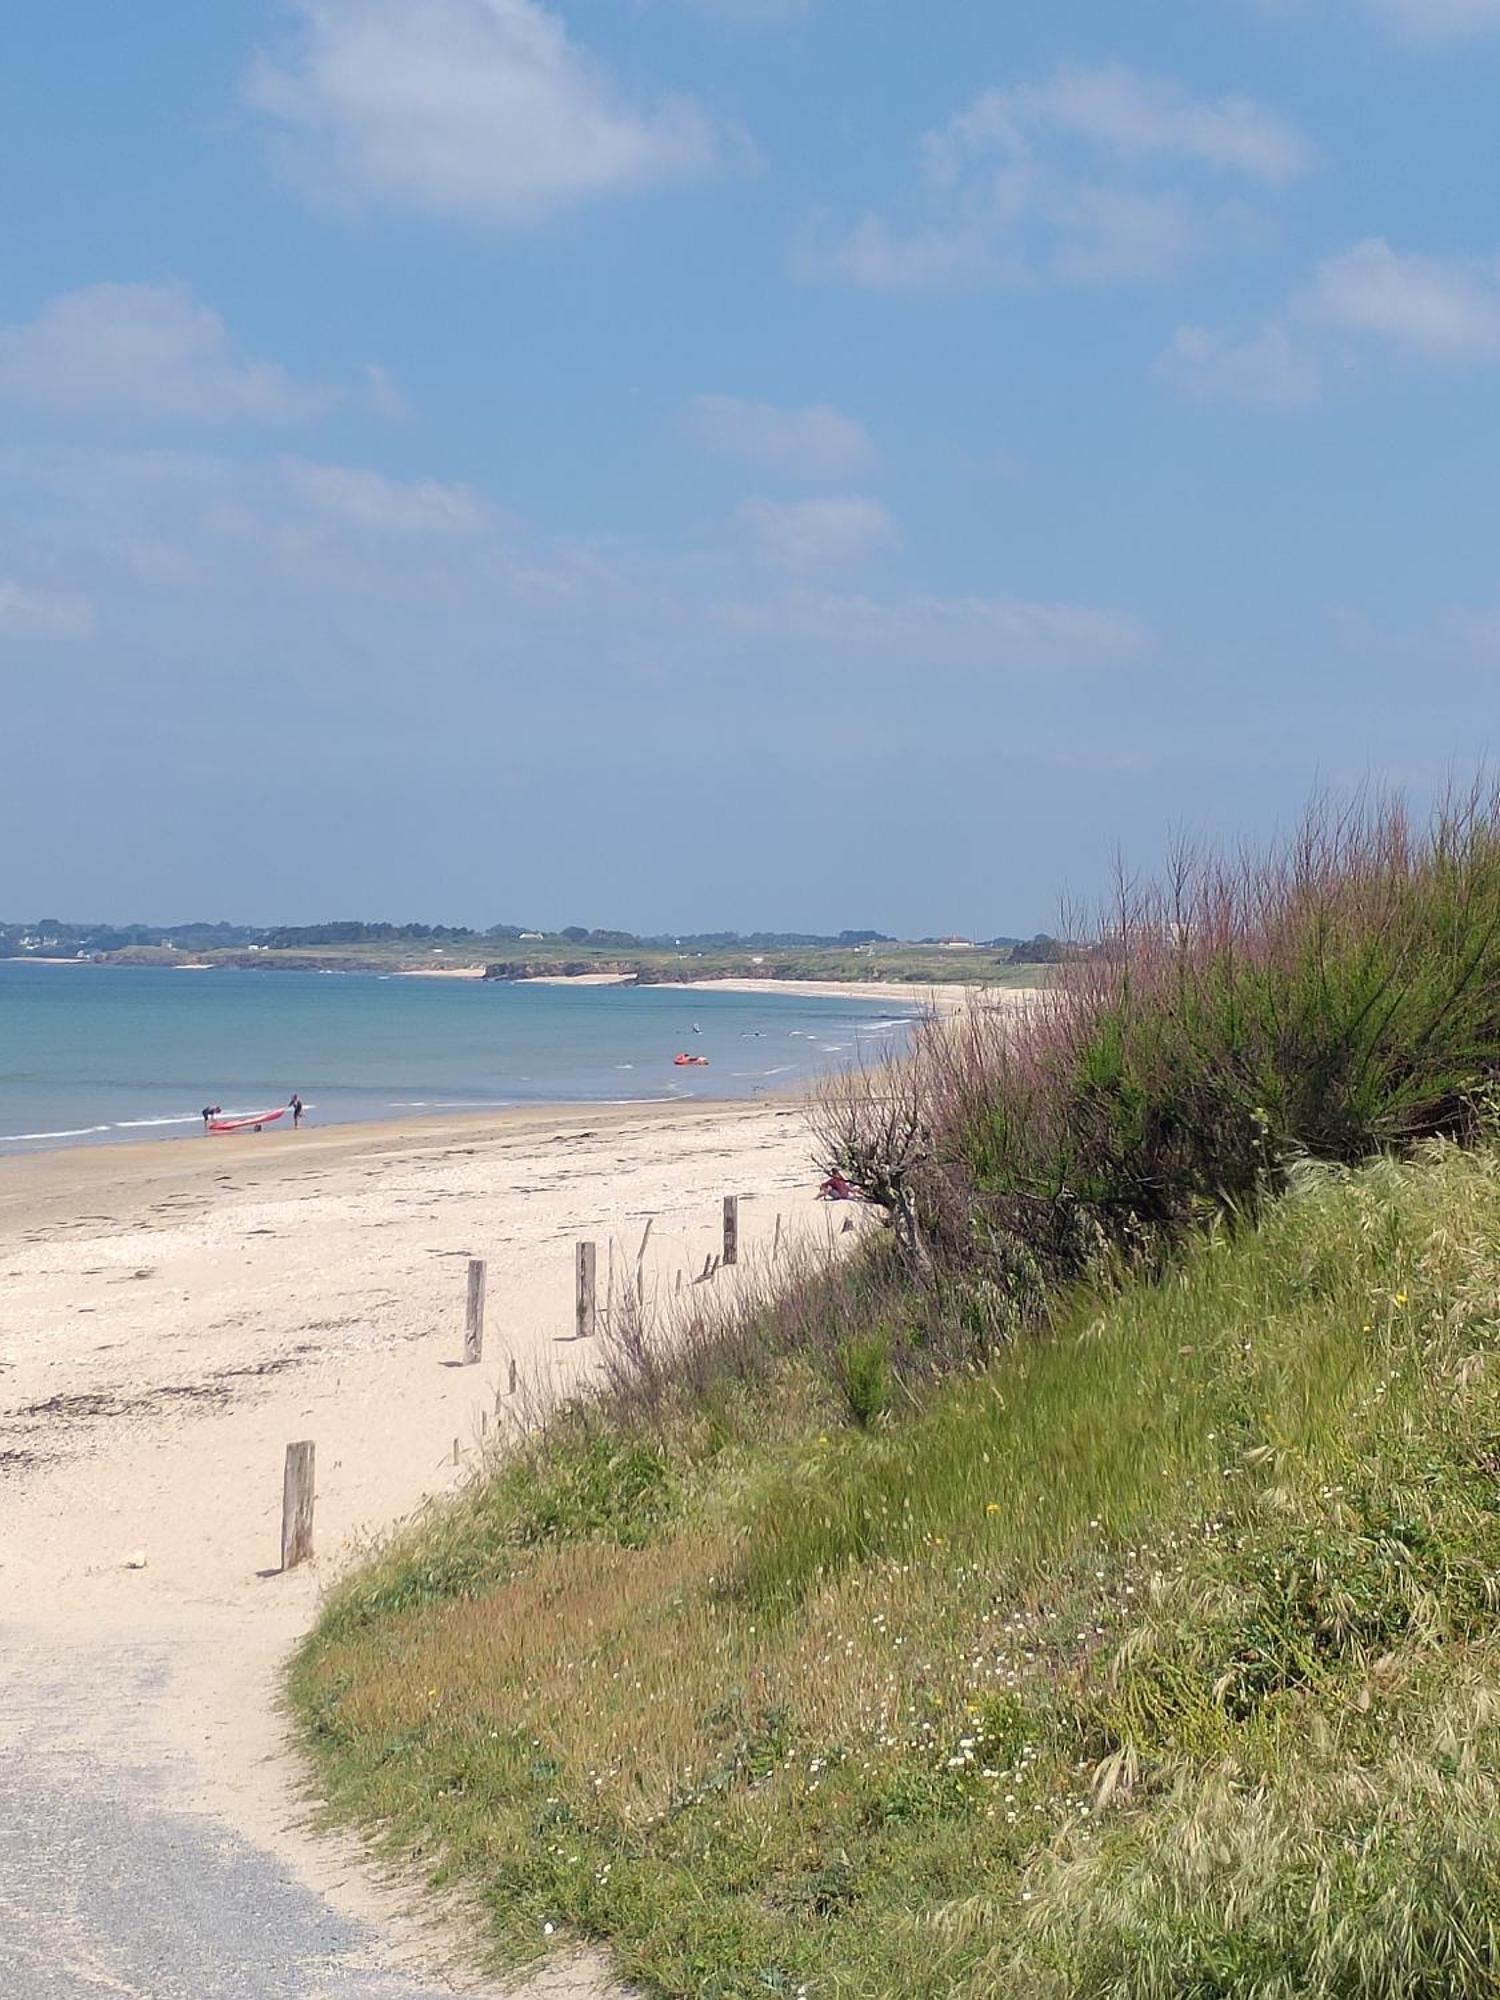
687	463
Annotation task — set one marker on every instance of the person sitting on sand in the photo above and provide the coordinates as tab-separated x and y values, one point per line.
836	1188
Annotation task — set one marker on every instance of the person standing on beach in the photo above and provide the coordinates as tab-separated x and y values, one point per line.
296	1103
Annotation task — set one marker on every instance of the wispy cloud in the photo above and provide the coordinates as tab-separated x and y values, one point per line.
1267	367
377	505
978	632
817	442
1439	310
144	351
1131	115
1438	19
39	614
1062	183
1442	309
482	109
810	537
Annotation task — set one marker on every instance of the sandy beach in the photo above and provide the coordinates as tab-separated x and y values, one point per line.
175	1313
932	999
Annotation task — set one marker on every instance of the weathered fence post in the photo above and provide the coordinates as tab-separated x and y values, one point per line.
776	1241
731	1229
640	1262
474	1313
512	1375
297	1505
588	1303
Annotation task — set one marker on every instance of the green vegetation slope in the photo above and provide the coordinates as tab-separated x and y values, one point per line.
1089	1587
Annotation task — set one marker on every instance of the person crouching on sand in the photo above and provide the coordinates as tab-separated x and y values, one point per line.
296	1103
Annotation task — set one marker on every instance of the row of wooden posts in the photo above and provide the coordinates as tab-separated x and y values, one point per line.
298	1477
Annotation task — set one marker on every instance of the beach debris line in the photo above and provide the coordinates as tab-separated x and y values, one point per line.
474	1313
297	1504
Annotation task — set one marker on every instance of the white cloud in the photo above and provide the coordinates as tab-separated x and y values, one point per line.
1434	309
1061	183
954	631
837	531
1437	18
381	506
483	109
1133	116
385	394
143	351
37	614
818	442
1268	368
1442	309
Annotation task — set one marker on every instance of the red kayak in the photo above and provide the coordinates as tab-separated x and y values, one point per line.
685	1061
252	1123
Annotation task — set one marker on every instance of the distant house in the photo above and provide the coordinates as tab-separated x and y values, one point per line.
957	944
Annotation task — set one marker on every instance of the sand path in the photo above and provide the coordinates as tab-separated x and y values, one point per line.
171	1316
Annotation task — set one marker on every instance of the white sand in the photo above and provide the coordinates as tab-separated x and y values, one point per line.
173	1315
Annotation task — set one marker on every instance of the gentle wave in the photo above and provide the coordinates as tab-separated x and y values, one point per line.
77	1132
133	1124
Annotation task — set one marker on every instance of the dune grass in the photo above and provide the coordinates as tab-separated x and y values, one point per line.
1155	1656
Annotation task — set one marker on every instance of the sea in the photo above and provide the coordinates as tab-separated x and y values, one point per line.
91	1054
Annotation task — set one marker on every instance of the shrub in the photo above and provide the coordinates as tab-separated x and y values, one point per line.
1330	1003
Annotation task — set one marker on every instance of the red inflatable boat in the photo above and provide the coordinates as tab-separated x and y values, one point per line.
251	1123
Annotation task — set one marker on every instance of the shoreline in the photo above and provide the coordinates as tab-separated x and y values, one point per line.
247	1152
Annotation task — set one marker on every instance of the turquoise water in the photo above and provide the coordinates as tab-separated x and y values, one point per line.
95	1053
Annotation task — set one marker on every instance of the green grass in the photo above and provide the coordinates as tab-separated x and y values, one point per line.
1157	1658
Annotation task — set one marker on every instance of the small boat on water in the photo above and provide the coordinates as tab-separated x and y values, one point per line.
685	1061
251	1122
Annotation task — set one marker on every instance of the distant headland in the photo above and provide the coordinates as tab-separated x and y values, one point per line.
515	952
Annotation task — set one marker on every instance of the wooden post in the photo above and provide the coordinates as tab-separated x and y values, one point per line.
731	1230
474	1314
512	1374
455	1451
640	1262
588	1302
297	1505
776	1241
